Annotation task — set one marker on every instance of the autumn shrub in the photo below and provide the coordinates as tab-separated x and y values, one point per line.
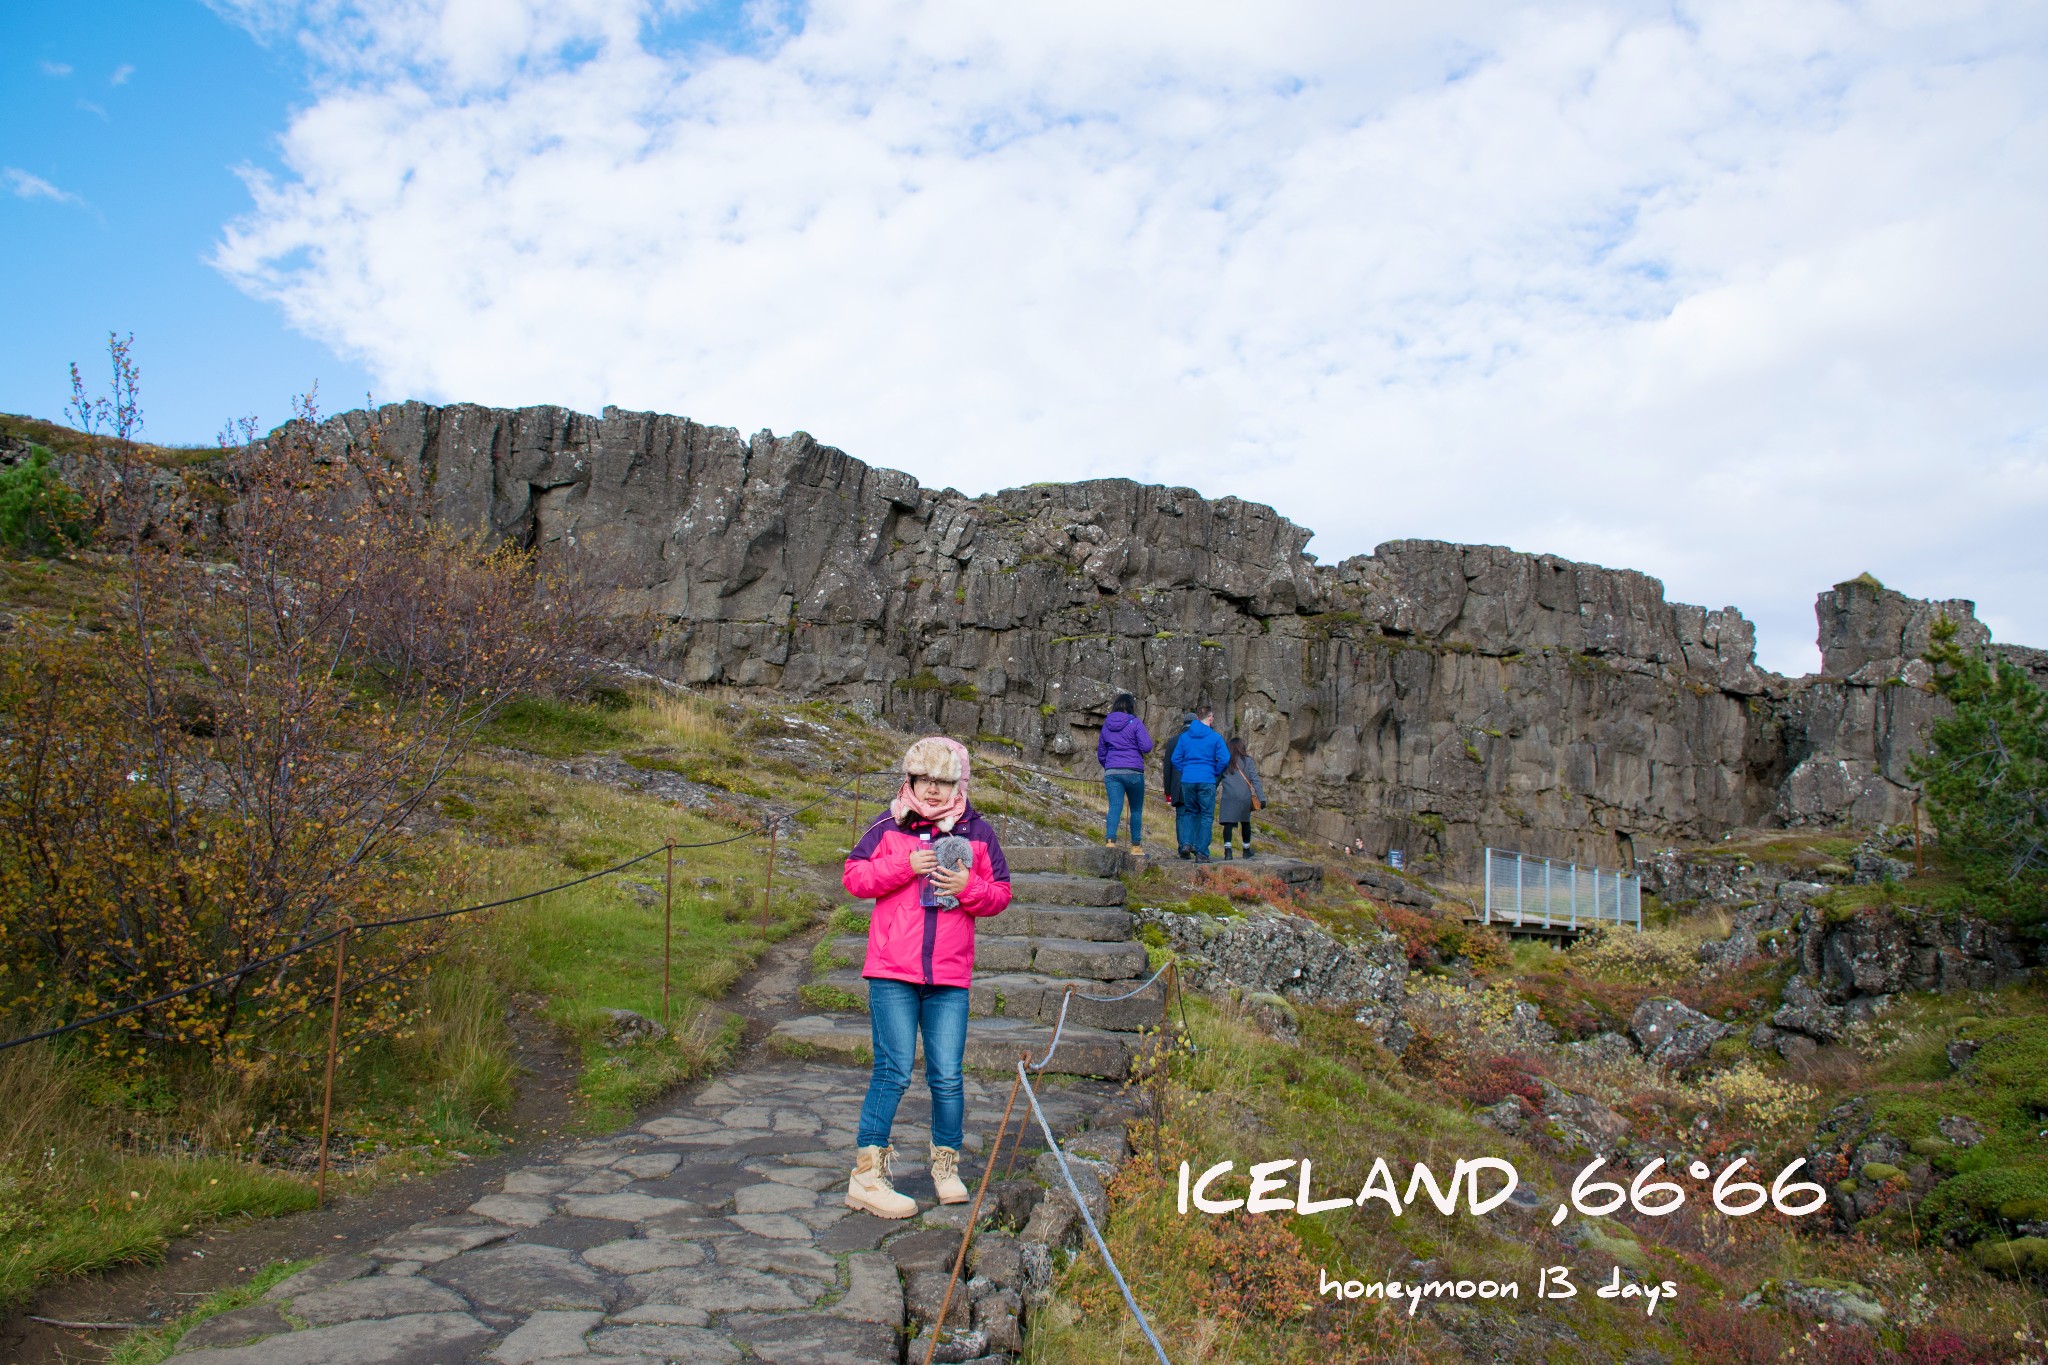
217	766
1244	885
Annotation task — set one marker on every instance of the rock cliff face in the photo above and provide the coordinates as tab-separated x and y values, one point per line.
1431	697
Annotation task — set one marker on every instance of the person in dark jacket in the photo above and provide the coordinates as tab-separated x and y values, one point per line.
1121	750
1200	756
1238	795
1172	774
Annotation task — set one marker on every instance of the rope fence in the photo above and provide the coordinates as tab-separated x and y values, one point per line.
339	936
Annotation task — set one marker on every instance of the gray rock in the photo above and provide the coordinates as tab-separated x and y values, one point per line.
998	1317
1673	1034
1796	1047
773	1197
779	1258
1580	1120
955	1345
423	1339
1807	1011
628	1207
1505	673
1604	1049
429	1245
816	1339
680	1345
623	1028
1088	1178
636	1255
994	1256
1961	1051
1856	1307
235	1327
724	1289
1037	1258
1962	1130
519	1210
376	1296
926	1291
1505	1117
874	1291
322	1274
524	1279
1289	956
932	1249
546	1336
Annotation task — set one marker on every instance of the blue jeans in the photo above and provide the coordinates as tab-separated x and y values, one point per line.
1196	810
897	1010
1125	784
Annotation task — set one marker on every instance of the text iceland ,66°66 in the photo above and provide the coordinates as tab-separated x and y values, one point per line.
1487	1183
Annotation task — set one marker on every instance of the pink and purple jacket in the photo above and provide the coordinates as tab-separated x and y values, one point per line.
907	940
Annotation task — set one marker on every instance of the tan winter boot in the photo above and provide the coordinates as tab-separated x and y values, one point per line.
946	1175
870	1189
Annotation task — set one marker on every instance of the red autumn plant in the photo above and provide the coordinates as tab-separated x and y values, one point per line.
220	764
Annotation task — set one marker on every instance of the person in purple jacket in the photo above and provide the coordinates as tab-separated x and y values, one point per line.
1121	750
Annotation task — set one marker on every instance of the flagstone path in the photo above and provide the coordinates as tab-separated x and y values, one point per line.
715	1232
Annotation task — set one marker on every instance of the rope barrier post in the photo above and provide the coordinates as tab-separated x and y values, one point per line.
973	1216
853	833
333	1044
668	919
768	883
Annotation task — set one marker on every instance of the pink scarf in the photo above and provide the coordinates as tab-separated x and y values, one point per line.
945	813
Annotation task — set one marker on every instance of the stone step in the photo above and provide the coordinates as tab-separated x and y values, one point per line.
1060	888
1086	860
992	1044
1101	923
1061	957
1030	995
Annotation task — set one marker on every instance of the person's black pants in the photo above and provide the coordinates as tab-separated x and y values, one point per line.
1245	837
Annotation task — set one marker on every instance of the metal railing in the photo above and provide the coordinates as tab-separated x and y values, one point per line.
1528	892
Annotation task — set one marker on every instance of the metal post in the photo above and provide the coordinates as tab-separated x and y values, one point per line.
668	917
967	1234
333	1045
1488	855
768	885
1546	893
854	838
1575	897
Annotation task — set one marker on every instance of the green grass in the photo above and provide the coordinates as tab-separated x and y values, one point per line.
99	1210
551	728
148	1348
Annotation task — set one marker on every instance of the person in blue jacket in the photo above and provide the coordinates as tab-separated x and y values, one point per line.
1200	758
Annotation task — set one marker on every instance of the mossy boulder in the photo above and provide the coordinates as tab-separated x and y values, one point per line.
2015	1256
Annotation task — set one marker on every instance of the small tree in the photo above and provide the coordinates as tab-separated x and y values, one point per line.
222	759
1985	774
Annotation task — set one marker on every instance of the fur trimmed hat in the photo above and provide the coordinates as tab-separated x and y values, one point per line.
934	756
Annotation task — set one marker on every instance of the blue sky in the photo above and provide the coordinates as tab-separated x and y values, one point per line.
140	114
1745	294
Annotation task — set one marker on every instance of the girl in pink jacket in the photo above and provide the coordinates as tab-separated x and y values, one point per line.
920	959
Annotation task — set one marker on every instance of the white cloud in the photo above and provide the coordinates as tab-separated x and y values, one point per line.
1745	295
22	185
57	69
121	74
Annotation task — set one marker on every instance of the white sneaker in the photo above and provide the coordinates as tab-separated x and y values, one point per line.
946	1175
870	1190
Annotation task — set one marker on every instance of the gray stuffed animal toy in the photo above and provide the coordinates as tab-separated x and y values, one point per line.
954	852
